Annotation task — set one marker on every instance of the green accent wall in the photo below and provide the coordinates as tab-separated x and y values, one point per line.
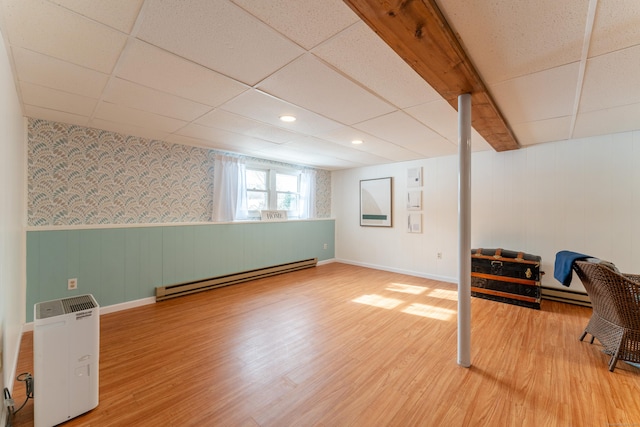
119	265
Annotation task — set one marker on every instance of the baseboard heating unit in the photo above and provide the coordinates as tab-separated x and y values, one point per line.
565	295
179	289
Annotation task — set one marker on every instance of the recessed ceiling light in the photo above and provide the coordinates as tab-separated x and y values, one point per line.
287	118
357	141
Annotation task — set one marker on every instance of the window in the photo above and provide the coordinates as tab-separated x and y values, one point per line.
257	190
287	192
272	189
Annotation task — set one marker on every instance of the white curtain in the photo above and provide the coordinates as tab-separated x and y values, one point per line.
229	189
307	206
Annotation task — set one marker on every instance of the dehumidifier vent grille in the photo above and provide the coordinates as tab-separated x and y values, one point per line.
75	304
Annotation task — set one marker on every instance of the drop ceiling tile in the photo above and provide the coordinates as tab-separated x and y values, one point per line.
271	134
478	143
122	92
47	28
358	156
265	108
218	35
225	120
326	148
611	120
538	96
398	128
221	119
285	153
507	39
205	133
611	80
42	70
555	129
615	27
322	19
405	131
362	55
52	99
55	116
128	129
230	139
436	147
371	144
150	66
442	118
309	83
118	14
439	116
130	116
195	142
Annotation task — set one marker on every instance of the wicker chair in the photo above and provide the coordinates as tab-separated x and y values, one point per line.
615	321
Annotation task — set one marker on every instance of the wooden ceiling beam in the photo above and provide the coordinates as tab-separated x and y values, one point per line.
418	32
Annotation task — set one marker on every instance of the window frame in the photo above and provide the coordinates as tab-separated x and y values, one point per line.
272	193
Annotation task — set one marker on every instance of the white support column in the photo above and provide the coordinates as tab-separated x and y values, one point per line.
464	230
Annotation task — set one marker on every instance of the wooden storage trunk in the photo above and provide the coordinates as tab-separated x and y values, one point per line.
506	276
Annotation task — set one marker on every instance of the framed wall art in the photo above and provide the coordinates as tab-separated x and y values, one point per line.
414	177
375	202
414	200
414	223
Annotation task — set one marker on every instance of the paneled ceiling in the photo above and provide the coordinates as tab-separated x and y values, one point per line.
220	73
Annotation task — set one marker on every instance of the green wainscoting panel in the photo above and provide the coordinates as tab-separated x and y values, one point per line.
125	264
204	252
112	266
33	271
90	255
54	265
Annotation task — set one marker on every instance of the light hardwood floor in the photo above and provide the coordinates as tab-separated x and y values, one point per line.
340	345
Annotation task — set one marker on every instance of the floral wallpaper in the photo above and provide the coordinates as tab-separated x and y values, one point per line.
323	193
84	176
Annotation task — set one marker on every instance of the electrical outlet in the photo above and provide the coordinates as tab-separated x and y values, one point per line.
325	246
439	255
72	284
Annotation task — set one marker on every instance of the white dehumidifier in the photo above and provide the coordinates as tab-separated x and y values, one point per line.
66	350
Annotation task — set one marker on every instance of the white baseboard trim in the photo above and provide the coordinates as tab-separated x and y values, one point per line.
108	309
127	305
400	271
326	261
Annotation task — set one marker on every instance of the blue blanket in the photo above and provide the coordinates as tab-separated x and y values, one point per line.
564	264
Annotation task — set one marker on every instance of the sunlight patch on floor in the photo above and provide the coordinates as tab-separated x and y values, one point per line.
430	311
406	289
444	294
378	301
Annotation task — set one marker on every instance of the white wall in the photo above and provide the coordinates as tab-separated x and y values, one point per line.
12	220
581	195
394	248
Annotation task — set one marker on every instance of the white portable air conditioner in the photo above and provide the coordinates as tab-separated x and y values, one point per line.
66	350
